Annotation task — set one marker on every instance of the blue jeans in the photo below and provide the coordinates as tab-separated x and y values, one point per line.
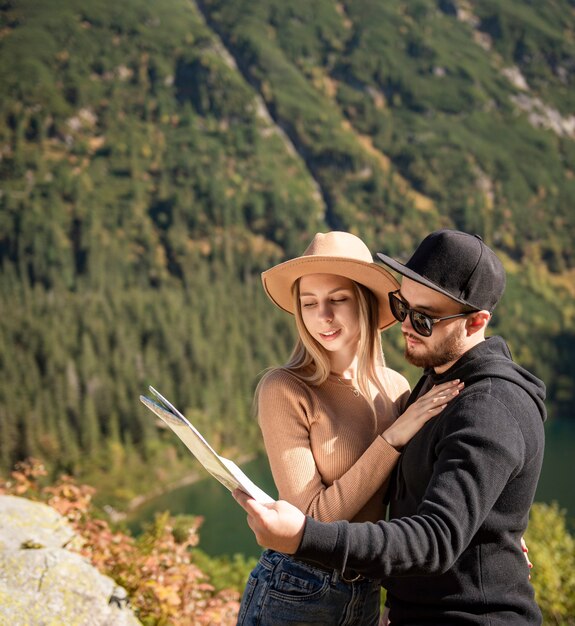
283	590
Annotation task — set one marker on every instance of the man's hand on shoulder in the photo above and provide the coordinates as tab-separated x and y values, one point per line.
278	526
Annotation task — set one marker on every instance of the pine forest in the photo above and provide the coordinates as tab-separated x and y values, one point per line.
156	157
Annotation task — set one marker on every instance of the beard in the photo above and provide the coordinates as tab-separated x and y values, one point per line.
448	351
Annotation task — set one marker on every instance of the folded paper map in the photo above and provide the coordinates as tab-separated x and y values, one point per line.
224	470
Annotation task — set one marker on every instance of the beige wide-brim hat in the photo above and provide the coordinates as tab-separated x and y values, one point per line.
339	253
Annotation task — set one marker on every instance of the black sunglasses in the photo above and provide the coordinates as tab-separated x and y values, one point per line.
421	322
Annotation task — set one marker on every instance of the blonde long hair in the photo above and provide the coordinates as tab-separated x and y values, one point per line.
309	361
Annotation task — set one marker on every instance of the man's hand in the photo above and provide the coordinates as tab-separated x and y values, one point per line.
278	526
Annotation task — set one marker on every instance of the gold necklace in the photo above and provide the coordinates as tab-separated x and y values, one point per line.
354	390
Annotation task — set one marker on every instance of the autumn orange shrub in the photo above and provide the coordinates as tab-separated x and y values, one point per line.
164	586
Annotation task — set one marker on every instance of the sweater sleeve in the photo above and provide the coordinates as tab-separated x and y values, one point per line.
475	460
398	389
286	410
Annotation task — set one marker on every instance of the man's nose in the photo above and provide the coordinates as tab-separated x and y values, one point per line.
406	324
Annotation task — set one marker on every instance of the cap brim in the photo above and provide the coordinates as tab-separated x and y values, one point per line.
402	269
278	280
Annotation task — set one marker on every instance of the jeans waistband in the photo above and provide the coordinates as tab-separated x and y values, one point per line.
348	576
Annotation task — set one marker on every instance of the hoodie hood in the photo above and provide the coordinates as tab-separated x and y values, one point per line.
492	359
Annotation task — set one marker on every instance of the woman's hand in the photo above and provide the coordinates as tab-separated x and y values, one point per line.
525	550
422	410
384	619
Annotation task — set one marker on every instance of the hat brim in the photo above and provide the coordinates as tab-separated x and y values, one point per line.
278	280
402	269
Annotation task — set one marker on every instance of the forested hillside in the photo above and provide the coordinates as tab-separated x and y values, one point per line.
155	157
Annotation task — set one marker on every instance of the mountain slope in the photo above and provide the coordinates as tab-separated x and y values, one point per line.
155	157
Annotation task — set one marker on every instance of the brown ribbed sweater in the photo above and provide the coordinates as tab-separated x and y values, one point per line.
324	445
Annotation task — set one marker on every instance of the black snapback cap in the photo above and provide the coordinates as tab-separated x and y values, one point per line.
458	265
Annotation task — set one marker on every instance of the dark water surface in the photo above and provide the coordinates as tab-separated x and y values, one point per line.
556	482
225	530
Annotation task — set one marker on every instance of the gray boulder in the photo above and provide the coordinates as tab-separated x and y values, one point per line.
42	583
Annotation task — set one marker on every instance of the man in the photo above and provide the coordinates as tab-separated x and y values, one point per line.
451	551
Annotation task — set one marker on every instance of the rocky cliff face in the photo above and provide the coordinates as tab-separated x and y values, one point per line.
42	582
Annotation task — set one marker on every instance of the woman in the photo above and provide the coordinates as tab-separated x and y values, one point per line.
331	423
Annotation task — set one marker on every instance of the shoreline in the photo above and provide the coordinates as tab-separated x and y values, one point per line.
189	479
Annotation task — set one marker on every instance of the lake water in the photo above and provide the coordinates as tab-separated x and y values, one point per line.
225	530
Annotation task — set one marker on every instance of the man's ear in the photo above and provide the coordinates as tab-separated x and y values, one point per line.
477	321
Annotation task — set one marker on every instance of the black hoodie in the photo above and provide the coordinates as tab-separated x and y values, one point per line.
460	502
